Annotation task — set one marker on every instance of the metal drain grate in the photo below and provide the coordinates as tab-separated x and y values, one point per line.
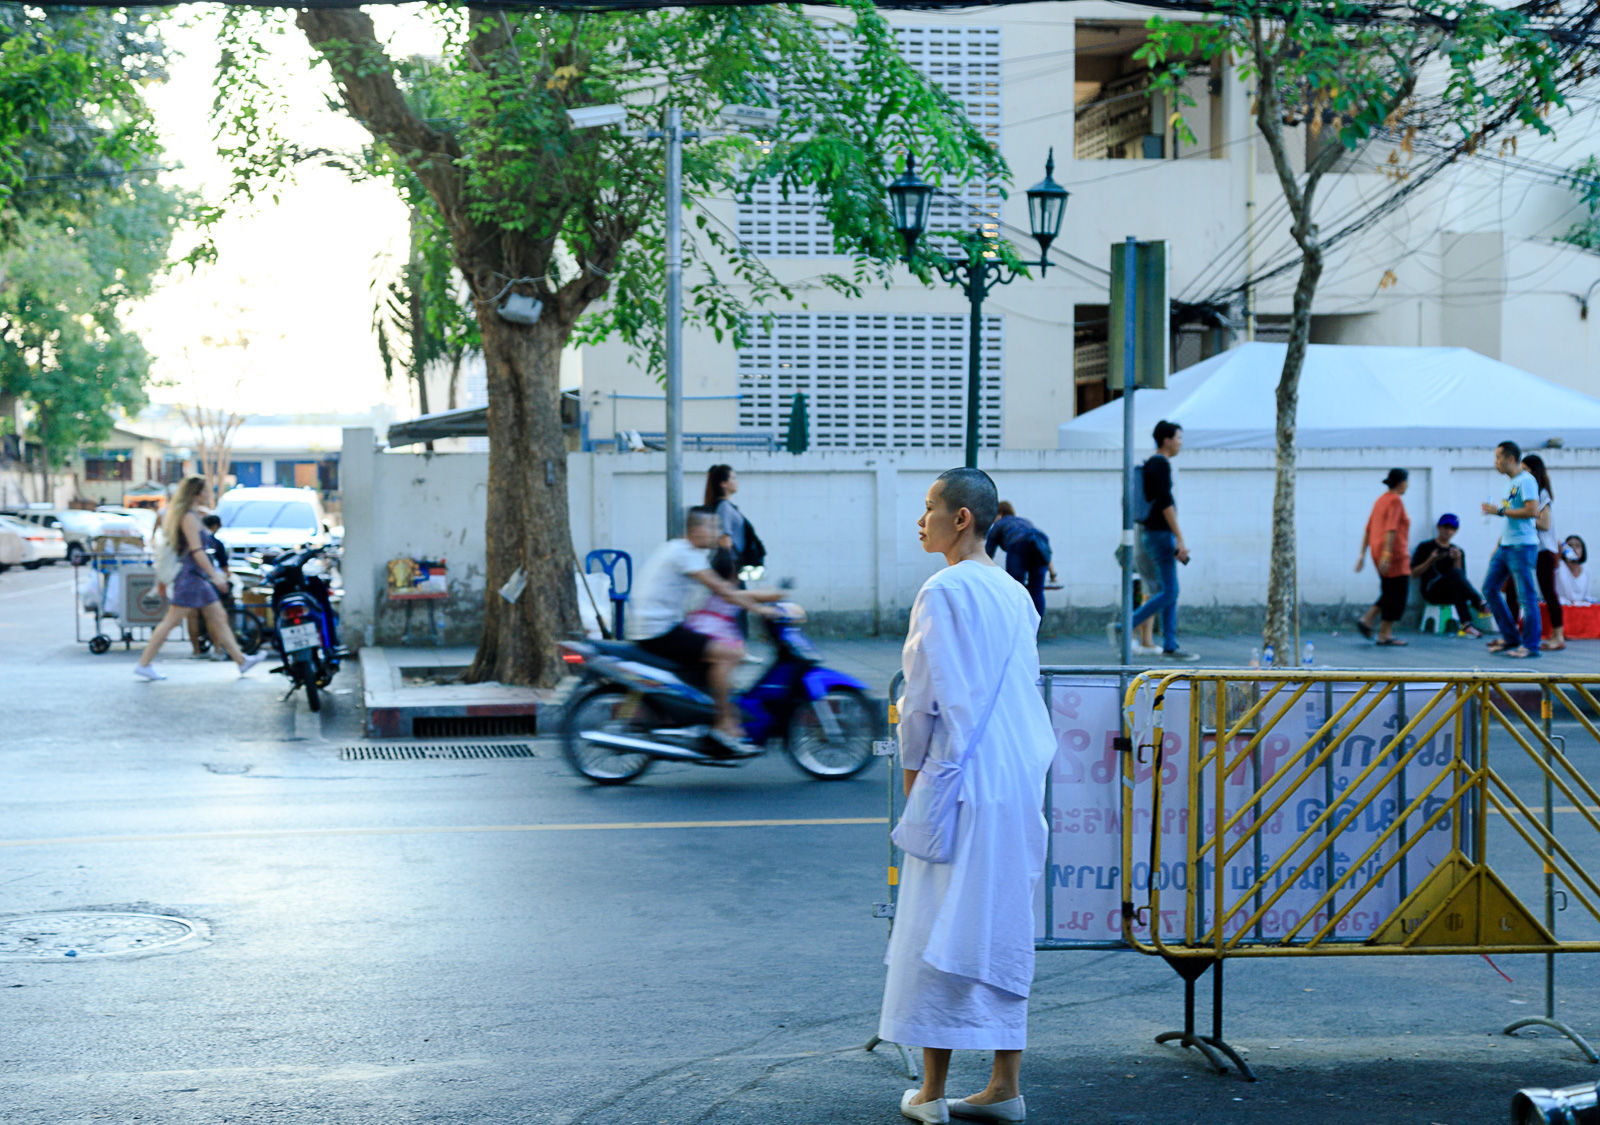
412	751
472	726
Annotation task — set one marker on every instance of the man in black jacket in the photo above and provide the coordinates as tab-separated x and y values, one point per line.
1163	538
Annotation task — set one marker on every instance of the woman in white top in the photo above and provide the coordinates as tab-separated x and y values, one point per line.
1572	576
961	953
1549	553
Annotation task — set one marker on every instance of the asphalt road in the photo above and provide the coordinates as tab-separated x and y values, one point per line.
490	941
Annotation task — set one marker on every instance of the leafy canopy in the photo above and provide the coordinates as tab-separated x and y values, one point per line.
84	224
1357	71
573	215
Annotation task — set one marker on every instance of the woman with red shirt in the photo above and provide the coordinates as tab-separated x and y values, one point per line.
1388	538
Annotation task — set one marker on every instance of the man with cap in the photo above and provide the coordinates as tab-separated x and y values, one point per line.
1441	572
1387	532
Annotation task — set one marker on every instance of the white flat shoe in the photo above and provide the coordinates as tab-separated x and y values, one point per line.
1013	1109
938	1111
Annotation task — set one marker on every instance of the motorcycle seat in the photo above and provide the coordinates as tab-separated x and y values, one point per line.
625	650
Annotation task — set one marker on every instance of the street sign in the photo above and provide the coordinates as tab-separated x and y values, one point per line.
1151	336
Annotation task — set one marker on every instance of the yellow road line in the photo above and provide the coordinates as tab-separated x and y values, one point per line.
439	830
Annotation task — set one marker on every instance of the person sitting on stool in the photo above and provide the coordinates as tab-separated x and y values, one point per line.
1441	571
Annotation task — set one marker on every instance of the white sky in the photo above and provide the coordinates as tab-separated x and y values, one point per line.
293	279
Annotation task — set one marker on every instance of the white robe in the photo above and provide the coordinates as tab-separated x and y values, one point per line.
961	953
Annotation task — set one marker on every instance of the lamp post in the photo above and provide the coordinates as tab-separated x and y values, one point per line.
977	272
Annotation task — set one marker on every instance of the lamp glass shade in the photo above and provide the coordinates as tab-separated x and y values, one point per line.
1047	203
909	200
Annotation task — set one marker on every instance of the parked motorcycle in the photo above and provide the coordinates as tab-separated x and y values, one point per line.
632	709
305	626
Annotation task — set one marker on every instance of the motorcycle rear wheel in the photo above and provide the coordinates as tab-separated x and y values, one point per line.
842	752
597	709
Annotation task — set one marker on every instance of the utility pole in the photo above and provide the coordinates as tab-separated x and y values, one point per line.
674	341
1130	304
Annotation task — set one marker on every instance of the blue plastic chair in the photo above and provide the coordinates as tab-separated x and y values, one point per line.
609	560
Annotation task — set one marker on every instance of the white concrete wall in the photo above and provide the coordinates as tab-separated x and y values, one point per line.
844	524
418	505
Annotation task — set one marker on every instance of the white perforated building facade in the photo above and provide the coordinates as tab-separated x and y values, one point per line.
1467	261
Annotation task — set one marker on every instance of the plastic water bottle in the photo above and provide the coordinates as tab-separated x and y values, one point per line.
1266	657
1255	658
1308	655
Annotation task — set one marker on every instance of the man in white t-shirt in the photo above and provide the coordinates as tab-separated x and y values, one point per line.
673	582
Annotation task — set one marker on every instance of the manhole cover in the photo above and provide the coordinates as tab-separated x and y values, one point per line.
411	751
76	934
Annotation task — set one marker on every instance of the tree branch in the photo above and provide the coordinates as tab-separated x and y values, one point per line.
364	74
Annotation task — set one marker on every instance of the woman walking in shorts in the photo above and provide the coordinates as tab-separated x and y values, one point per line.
199	583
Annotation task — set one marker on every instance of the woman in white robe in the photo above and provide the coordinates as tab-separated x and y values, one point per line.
961	953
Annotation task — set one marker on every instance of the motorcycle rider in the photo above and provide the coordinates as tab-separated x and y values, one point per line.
670	586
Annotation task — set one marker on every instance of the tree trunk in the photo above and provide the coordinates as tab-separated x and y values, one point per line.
527	520
1283	593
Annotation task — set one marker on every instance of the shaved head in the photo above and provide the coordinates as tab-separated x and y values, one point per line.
973	490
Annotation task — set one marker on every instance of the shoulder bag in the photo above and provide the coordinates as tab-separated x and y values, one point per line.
927	827
167	563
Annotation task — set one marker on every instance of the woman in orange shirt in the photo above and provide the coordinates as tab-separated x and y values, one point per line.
1388	538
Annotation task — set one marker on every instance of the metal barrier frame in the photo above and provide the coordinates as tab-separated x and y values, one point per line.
1474	703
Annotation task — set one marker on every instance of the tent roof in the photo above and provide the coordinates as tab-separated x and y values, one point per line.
1352	398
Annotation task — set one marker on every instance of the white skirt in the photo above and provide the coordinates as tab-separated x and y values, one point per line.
923	1007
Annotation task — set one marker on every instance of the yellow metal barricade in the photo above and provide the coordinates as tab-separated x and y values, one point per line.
1332	813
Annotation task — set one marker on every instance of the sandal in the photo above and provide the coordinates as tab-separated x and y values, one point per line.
1497	645
1392	641
1364	629
1556	646
1519	653
1470	631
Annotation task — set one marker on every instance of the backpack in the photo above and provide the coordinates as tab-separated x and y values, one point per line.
167	561
1141	502
755	551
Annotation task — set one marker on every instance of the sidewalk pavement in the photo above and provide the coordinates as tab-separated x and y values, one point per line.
875	660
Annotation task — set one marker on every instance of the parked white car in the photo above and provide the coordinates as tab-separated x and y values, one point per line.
278	519
76	525
12	551
41	546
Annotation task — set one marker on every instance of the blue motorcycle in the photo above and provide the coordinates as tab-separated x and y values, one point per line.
632	709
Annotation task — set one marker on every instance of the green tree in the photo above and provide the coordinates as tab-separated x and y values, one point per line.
84	224
574	218
1584	179
1350	74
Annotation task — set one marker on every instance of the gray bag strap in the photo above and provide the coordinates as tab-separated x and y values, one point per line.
988	712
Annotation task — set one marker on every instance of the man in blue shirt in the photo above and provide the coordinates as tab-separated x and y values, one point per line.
1516	556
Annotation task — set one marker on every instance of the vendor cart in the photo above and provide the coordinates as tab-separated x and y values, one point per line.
117	590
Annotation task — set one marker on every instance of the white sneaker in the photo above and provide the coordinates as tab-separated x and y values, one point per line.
148	672
1146	650
251	661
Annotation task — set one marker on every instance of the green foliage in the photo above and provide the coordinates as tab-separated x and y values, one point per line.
573	215
84	226
1338	65
1585	180
71	113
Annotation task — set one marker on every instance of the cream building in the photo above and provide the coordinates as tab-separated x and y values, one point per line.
1470	259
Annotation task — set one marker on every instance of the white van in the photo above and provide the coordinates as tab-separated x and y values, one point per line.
259	519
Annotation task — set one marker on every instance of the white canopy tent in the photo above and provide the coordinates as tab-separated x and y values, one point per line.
1352	398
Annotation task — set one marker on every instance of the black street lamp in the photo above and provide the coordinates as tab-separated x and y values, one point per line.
978	272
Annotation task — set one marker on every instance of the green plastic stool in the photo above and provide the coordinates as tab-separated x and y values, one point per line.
1440	619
